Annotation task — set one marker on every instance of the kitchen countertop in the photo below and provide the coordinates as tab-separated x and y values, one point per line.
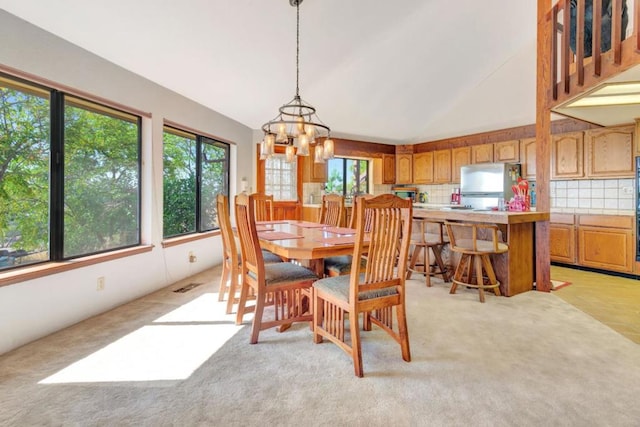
495	217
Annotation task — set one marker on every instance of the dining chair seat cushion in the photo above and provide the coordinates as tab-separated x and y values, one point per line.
484	246
283	272
338	287
341	264
269	257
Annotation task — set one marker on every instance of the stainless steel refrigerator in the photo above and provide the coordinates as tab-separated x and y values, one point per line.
483	185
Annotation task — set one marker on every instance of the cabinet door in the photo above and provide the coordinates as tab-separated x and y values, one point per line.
507	151
562	243
609	152
459	157
312	171
567	156
423	168
404	166
442	166
482	153
388	169
528	158
606	248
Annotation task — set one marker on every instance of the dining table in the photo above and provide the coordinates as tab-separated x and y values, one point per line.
305	241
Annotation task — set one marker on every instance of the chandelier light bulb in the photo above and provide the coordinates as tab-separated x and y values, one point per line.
328	149
282	132
270	142
303	145
318	154
290	153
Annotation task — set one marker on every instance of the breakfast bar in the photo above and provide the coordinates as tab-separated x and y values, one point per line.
514	269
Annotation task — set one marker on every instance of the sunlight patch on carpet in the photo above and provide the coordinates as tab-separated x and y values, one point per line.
170	348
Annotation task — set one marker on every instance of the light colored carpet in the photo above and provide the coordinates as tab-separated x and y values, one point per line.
173	359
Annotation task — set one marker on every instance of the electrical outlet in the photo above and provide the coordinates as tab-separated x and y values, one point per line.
192	257
627	190
100	284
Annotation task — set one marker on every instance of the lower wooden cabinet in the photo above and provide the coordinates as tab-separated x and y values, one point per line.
562	238
605	242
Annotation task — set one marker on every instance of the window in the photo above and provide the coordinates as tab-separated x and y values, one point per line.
189	160
69	176
281	177
348	177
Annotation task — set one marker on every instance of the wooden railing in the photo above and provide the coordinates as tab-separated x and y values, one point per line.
573	70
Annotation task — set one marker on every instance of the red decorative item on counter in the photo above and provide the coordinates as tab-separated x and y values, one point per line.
520	202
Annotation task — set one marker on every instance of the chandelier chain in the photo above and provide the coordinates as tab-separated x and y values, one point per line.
297	48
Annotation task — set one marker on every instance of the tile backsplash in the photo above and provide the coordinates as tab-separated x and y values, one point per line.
605	196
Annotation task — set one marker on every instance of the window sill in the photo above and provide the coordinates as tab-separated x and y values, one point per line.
49	268
175	241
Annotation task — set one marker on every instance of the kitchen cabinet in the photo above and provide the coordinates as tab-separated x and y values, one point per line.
423	168
312	171
507	151
609	152
384	169
311	213
528	158
442	166
460	156
562	238
567	156
404	168
482	153
606	242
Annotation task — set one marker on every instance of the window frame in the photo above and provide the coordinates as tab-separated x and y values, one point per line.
200	140
344	173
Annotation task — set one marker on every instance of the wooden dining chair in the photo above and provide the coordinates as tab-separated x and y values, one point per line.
263	204
332	210
231	259
375	292
285	286
341	264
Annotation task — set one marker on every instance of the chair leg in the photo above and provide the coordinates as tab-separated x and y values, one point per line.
233	288
437	255
403	332
479	278
257	318
412	263
356	351
244	290
223	281
486	261
318	316
427	266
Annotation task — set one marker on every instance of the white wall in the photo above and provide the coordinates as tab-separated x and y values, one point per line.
34	308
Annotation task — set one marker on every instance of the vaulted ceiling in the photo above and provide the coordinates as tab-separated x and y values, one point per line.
389	71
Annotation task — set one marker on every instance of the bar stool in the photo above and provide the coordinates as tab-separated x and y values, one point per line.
428	240
474	269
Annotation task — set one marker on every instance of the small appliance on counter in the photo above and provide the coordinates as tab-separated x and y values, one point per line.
455	196
406	193
483	185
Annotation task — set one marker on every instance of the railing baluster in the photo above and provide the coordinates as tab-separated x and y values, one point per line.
580	12
616	30
554	51
596	48
566	25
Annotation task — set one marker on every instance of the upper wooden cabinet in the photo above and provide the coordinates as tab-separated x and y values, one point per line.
442	166
423	168
384	169
482	153
528	158
404	168
507	151
610	152
567	156
459	157
312	171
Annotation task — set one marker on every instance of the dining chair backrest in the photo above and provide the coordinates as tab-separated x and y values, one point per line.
229	248
332	210
354	210
263	206
248	235
385	244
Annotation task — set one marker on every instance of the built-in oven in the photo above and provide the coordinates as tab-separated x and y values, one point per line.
406	192
637	208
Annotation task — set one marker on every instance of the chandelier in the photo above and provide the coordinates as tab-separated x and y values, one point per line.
297	125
